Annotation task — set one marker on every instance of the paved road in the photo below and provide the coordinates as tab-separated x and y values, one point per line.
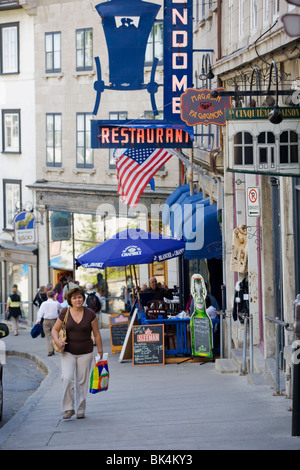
21	378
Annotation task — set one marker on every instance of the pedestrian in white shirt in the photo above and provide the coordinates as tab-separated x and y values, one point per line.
49	310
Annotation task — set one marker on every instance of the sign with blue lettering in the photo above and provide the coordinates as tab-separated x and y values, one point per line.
127	26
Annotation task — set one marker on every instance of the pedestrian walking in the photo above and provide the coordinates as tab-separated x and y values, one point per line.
68	286
58	292
93	301
49	312
77	352
40	297
13	309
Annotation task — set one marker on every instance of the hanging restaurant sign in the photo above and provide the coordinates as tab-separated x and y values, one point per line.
162	136
199	107
127	27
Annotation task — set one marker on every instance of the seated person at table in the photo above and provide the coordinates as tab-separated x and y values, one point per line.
159	291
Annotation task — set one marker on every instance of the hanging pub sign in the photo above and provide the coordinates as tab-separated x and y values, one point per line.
199	107
258	146
24	228
127	27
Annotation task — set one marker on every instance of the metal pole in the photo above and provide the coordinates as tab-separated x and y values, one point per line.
251	343
229	336
277	359
296	371
221	336
296	389
244	369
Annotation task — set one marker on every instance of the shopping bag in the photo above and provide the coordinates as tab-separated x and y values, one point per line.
100	375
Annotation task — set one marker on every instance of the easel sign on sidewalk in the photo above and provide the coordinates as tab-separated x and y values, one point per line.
148	345
118	324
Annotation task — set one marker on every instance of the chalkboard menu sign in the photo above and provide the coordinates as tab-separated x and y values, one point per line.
201	336
148	345
118	324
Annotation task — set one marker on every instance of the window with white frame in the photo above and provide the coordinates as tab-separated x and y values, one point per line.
115	116
266	12
11	135
288	147
275	8
242	12
155	44
230	22
84	152
84	49
9	48
53	52
253	15
203	8
243	148
12	202
53	139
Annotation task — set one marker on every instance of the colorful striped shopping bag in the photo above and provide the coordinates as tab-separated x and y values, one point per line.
100	375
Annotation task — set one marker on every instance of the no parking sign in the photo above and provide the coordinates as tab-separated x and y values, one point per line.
253	203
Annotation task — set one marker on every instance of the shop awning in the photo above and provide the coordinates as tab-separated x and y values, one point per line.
194	219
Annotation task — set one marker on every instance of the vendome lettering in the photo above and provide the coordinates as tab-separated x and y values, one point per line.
131	136
179	59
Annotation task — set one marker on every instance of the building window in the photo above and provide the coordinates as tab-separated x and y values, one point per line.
266	150
275	9
116	116
242	15
53	52
12	202
155	44
253	15
84	152
11	135
84	49
266	12
9	48
53	140
243	148
288	153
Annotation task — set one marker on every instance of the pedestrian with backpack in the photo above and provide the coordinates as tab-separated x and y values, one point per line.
93	301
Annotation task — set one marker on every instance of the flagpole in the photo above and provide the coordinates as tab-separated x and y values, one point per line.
137	288
191	175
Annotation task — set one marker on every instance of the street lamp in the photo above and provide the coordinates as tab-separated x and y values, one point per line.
206	72
291	22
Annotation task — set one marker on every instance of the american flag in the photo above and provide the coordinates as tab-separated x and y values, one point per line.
135	168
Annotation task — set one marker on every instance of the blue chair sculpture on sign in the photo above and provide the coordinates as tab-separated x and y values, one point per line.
127	26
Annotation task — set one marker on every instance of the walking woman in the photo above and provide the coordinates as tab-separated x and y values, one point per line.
13	309
77	352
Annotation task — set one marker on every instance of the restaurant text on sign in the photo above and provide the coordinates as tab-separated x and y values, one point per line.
110	136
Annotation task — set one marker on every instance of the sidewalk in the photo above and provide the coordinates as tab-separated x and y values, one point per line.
175	407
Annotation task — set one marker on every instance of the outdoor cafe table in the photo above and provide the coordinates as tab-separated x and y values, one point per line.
181	345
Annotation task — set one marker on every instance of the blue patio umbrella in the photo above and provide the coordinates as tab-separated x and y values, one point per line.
131	247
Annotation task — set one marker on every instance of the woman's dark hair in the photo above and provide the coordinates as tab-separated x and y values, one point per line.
58	287
76	290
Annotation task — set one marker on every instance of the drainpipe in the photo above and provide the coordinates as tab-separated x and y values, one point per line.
219	30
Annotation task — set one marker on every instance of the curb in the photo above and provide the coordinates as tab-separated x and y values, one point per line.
51	371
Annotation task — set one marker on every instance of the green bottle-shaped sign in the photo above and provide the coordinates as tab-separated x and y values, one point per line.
201	325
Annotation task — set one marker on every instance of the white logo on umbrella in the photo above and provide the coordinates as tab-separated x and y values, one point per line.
131	250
